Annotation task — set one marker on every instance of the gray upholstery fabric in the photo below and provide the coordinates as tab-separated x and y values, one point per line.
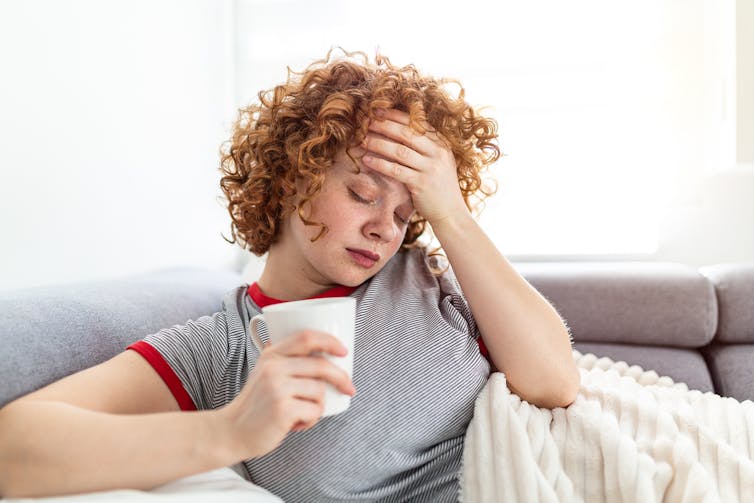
653	315
651	303
49	332
734	284
681	365
732	369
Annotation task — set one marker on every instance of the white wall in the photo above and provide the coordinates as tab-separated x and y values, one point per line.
112	114
711	216
620	120
745	79
112	117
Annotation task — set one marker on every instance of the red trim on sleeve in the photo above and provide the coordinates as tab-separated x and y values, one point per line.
483	349
263	300
162	367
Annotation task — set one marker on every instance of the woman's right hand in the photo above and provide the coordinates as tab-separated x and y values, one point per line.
285	392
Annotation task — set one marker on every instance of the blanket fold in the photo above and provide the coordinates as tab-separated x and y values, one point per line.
630	435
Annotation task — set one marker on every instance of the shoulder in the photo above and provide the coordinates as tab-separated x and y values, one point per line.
237	303
415	267
408	264
225	321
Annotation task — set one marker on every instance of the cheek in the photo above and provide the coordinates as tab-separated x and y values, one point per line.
303	234
398	241
313	212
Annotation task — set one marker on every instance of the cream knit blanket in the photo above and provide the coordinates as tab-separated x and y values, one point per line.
629	436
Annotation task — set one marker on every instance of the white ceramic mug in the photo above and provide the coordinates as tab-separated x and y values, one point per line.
332	315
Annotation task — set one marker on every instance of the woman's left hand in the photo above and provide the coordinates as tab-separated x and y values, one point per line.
420	161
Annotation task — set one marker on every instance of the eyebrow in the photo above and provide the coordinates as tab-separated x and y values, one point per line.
383	184
377	178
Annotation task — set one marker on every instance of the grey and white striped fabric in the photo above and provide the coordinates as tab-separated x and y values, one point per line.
417	369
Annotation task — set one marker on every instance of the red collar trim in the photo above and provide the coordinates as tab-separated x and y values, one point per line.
262	300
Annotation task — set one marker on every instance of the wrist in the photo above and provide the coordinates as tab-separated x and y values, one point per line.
452	225
225	445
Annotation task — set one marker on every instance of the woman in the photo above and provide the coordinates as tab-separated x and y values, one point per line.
335	175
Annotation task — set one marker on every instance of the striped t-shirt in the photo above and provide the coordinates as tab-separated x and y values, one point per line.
417	368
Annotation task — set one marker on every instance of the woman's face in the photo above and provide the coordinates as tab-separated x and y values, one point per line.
366	215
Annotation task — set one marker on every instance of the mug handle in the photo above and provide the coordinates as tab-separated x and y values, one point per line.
254	334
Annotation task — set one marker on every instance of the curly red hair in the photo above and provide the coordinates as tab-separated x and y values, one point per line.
296	129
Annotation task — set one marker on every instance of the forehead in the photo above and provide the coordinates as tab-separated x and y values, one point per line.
346	168
379	179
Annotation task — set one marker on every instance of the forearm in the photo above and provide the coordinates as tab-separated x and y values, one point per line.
53	448
523	332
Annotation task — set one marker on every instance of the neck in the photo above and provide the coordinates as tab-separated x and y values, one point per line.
280	282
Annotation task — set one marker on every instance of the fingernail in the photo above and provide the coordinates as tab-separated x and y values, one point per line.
367	158
379	112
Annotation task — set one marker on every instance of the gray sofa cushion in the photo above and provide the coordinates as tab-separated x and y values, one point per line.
681	365
732	369
653	303
48	333
734	284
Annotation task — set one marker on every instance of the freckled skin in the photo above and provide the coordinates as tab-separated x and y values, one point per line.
374	225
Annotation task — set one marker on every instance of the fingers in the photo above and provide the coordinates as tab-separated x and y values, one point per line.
398	132
307	389
399	172
317	367
307	342
299	361
401	117
392	114
401	152
406	155
309	413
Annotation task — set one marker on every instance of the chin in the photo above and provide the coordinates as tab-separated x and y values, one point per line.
355	278
354	281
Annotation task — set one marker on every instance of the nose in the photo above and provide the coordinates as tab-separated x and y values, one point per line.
381	226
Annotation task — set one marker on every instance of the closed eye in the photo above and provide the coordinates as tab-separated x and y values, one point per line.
358	198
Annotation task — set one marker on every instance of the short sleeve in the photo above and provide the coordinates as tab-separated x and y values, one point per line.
455	306
190	358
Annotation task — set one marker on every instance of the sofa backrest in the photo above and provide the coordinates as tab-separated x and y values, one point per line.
47	333
642	303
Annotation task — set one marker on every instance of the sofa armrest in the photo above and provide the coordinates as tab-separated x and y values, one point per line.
734	287
646	303
48	333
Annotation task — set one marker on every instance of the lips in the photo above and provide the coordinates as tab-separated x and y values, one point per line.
364	258
366	253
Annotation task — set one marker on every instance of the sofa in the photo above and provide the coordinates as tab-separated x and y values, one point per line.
694	325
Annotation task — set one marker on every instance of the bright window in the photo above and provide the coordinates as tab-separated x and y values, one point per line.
603	107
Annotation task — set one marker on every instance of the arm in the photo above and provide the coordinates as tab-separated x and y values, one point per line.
525	336
54	448
116	425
